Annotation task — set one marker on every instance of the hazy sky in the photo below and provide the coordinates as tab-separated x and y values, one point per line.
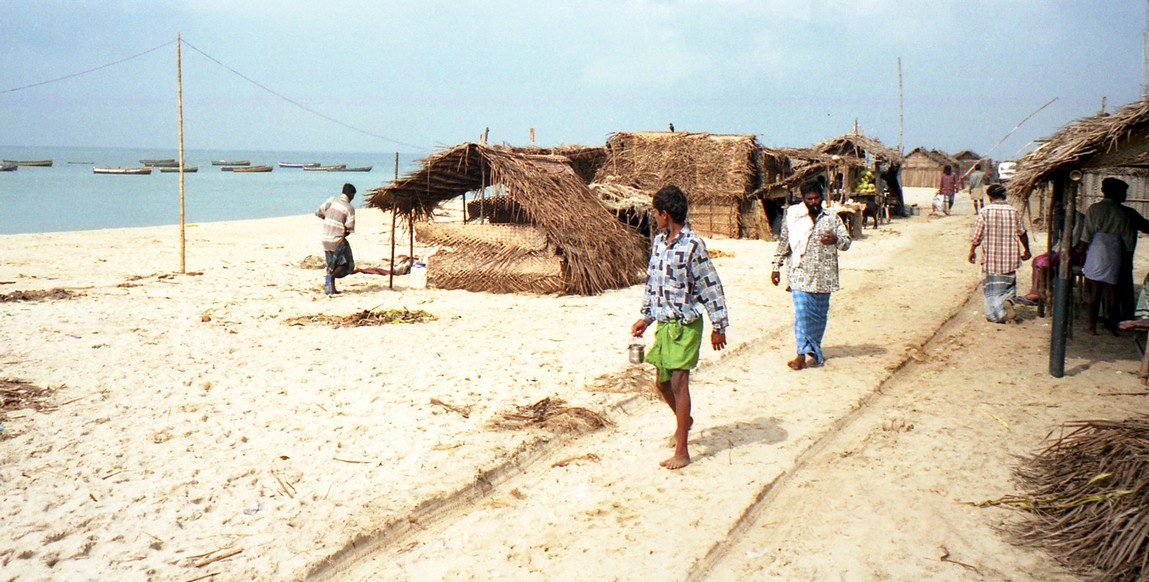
416	76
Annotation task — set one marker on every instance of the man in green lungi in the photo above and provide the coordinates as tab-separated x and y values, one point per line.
681	283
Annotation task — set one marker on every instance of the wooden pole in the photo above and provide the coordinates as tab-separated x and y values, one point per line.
900	100
1063	285
180	107
391	271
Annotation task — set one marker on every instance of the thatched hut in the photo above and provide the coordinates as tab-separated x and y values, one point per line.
965	160
1070	165
718	173
536	225
923	168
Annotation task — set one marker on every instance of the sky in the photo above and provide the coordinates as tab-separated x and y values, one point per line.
414	77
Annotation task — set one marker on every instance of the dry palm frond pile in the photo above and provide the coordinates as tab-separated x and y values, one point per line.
551	414
17	394
36	295
365	317
1088	500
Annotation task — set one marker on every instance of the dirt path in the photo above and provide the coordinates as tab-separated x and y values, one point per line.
601	506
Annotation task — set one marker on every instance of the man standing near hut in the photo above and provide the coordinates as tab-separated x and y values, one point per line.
948	186
1109	239
1005	244
338	221
976	177
681	283
811	238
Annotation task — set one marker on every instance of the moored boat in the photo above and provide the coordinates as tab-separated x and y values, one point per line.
131	171
245	169
8	167
187	169
39	163
168	163
299	164
354	169
231	162
326	168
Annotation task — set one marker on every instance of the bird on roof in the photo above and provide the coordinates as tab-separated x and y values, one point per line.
672	128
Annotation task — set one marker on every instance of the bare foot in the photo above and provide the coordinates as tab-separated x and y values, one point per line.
676	462
812	362
798	363
673	440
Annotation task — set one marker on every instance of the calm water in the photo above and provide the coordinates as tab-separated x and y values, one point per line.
68	196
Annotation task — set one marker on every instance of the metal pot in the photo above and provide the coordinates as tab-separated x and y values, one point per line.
636	353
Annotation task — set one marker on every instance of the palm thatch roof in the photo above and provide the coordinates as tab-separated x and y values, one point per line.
936	156
803	164
1119	140
592	250
857	145
717	172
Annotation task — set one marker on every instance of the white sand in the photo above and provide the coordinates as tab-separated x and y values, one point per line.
192	422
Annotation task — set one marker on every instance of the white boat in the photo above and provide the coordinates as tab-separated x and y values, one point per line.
299	164
137	171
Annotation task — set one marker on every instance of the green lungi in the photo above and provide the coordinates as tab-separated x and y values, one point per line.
676	347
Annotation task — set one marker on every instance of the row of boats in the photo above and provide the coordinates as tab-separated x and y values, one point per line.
171	165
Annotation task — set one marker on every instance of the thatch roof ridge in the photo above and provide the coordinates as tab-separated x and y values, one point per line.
852	143
654	135
600	253
1076	141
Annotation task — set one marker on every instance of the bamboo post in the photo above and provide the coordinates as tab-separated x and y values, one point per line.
391	271
180	108
1063	286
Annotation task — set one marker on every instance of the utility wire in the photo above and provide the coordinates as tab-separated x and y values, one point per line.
14	89
298	104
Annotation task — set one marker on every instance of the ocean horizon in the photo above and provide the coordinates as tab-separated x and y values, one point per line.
68	196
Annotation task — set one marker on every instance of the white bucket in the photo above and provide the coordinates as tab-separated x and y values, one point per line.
418	276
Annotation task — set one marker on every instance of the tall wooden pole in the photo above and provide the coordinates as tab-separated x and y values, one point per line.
391	272
180	106
1063	285
900	100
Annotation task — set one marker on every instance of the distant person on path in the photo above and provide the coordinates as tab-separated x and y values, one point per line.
338	221
811	238
947	188
1110	232
681	283
976	177
1001	233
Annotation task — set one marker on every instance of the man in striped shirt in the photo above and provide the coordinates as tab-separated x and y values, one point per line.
1005	244
338	221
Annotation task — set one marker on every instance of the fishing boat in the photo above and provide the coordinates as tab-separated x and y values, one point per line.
8	168
326	168
245	169
231	162
354	169
129	171
298	164
168	163
187	169
39	163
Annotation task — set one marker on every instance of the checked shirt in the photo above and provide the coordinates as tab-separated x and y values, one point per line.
681	282
998	231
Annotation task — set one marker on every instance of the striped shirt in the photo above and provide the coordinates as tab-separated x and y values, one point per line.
681	282
338	221
998	230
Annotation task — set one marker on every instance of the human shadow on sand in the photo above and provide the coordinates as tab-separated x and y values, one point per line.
715	439
855	351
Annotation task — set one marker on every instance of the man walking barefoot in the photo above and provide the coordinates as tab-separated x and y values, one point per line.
681	283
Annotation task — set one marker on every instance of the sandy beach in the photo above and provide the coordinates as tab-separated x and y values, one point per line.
210	425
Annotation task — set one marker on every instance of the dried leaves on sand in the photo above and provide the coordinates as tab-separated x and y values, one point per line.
17	394
365	317
1088	498
36	295
552	414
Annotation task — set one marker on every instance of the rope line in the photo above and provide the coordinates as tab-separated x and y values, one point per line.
94	69
298	104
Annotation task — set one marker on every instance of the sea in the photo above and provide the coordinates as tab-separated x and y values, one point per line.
68	196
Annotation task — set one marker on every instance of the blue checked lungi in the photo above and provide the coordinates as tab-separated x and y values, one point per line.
998	290
810	314
340	262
